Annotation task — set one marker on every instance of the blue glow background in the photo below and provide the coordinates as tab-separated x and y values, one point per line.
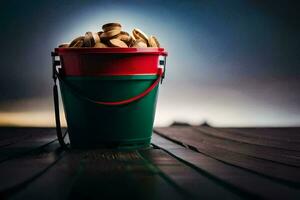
232	63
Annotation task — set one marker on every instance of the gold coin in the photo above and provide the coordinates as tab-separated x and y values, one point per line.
139	44
124	36
138	34
88	40
109	34
100	45
96	37
110	26
76	41
99	33
63	45
131	42
153	42
117	43
125	33
113	36
79	43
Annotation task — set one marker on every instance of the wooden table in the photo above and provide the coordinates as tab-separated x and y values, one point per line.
183	162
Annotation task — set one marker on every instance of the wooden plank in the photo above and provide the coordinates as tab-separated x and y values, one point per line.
235	177
37	139
13	132
250	140
149	174
14	152
7	133
291	158
56	183
115	175
196	185
13	137
189	136
16	174
13	140
283	134
96	174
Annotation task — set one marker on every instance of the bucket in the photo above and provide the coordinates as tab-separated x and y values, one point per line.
109	94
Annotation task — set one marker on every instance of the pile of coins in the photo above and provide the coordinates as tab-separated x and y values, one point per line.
113	36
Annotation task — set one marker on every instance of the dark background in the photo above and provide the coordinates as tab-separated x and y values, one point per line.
232	63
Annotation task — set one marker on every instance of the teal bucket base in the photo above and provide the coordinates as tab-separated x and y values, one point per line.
92	125
122	145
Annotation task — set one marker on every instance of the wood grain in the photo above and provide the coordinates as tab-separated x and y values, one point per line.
217	150
244	181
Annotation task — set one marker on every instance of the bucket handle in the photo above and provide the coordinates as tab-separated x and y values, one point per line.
60	135
112	103
56	75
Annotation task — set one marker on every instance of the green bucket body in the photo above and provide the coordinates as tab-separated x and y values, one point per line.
124	126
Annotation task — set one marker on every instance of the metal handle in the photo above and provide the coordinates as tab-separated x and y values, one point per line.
59	133
112	103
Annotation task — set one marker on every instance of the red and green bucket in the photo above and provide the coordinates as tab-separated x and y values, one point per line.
109	94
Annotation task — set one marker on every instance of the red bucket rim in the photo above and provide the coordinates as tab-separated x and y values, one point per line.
114	50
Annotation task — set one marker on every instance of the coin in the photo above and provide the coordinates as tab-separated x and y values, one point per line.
110	26
96	37
131	42
100	45
138	34
88	40
113	36
109	34
99	33
79	43
139	44
153	42
76	41
124	36
63	45
117	43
